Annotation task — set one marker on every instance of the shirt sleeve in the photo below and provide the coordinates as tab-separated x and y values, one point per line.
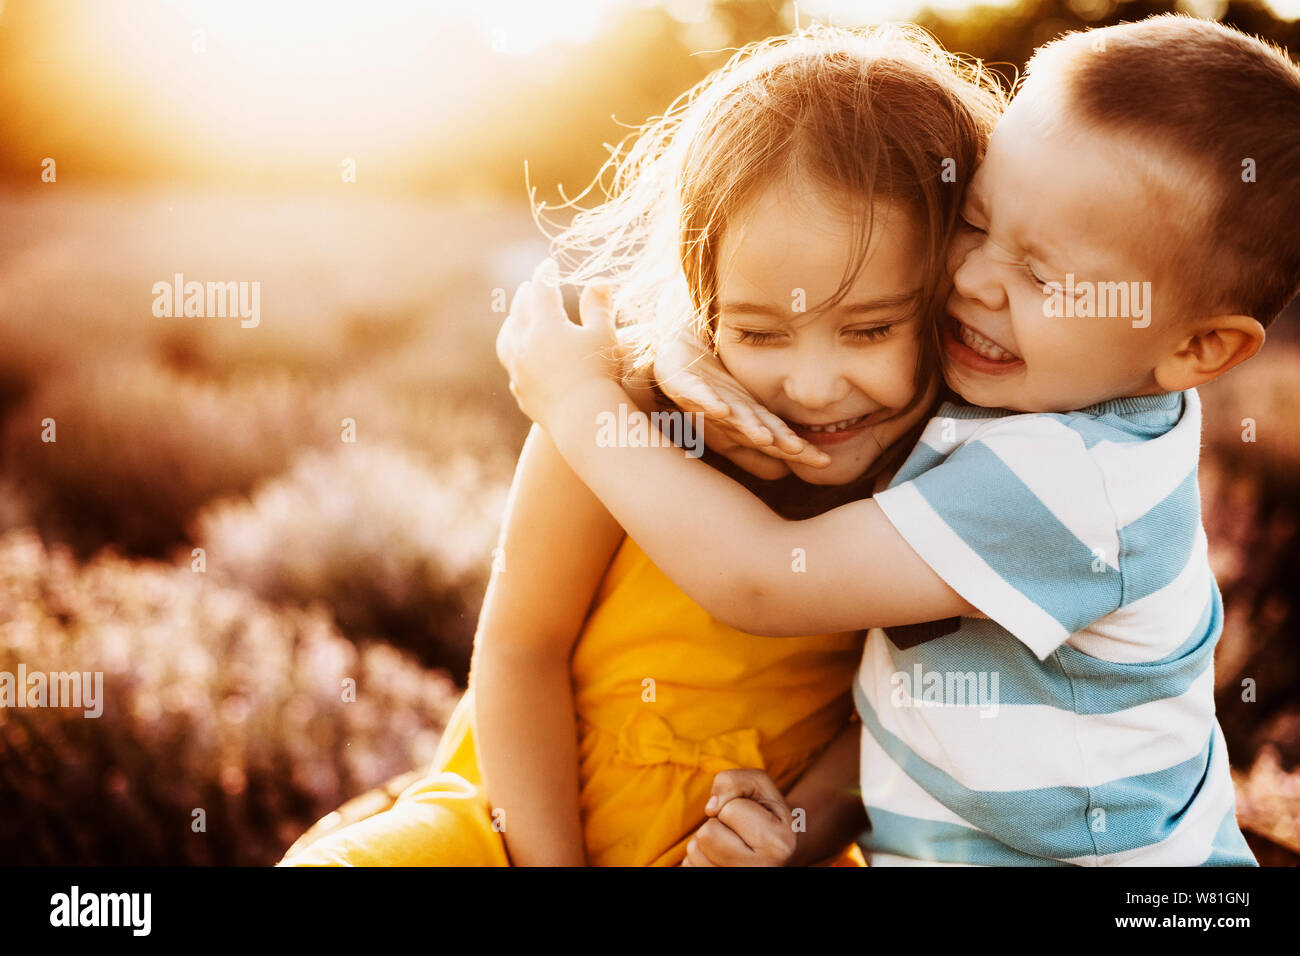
1018	522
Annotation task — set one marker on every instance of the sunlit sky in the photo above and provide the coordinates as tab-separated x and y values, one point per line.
281	33
327	27
289	35
290	81
539	22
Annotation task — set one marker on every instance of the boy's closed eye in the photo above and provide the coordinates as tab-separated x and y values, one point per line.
1038	274
1038	280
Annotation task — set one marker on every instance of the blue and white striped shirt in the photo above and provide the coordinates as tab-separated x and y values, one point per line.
1073	723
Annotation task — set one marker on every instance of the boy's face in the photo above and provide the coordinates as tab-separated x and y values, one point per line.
1052	305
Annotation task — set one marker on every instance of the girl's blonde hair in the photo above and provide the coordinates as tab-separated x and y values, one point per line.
872	113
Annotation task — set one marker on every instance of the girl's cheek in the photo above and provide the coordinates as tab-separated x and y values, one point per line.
765	365
889	379
750	371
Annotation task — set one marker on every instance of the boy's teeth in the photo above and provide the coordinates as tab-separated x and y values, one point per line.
978	343
834	426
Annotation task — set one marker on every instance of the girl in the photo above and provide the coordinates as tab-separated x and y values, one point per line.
602	700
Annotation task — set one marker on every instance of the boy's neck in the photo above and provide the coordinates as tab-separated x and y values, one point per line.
1124	404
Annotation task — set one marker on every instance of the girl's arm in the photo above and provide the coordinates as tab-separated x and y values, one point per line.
556	543
842	570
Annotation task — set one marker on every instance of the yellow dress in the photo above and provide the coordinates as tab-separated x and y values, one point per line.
666	698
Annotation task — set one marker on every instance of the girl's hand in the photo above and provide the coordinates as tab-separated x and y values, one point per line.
740	426
750	824
548	356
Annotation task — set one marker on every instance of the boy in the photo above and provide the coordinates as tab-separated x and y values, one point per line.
1067	714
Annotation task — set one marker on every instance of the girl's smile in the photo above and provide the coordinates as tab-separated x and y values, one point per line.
837	432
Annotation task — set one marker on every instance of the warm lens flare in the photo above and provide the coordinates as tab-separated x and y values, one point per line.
273	85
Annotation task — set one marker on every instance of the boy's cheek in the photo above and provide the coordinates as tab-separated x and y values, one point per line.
963	244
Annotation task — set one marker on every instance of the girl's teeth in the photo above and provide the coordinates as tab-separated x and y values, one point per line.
835	426
981	345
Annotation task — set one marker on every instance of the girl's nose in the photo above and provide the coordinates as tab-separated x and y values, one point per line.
813	382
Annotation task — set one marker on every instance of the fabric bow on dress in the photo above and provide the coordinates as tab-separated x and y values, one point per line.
647	739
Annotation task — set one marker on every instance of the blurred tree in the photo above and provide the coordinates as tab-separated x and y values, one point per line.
743	21
1009	35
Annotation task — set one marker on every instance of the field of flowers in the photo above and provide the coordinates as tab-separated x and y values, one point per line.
283	616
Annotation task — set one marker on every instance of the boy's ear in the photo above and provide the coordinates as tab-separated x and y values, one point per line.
1216	345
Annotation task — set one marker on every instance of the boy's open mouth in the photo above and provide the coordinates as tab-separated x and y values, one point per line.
977	351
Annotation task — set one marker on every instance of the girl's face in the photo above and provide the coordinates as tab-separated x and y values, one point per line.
837	376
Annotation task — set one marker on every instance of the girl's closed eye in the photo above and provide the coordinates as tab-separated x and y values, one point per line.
874	333
754	337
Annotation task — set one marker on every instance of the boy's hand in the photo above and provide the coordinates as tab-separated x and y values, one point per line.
745	456
548	356
750	824
696	380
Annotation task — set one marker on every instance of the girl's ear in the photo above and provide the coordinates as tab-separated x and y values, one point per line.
1221	343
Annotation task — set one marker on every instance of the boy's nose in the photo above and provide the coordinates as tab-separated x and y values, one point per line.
974	279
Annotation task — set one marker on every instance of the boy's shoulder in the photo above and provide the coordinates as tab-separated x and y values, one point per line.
1122	420
1049	522
1121	457
1112	433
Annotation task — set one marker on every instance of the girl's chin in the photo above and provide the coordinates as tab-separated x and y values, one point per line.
841	470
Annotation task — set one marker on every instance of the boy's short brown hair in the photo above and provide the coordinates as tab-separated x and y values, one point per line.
1224	109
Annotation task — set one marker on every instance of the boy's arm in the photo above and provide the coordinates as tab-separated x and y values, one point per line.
721	438
828	795
556	544
842	570
738	425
